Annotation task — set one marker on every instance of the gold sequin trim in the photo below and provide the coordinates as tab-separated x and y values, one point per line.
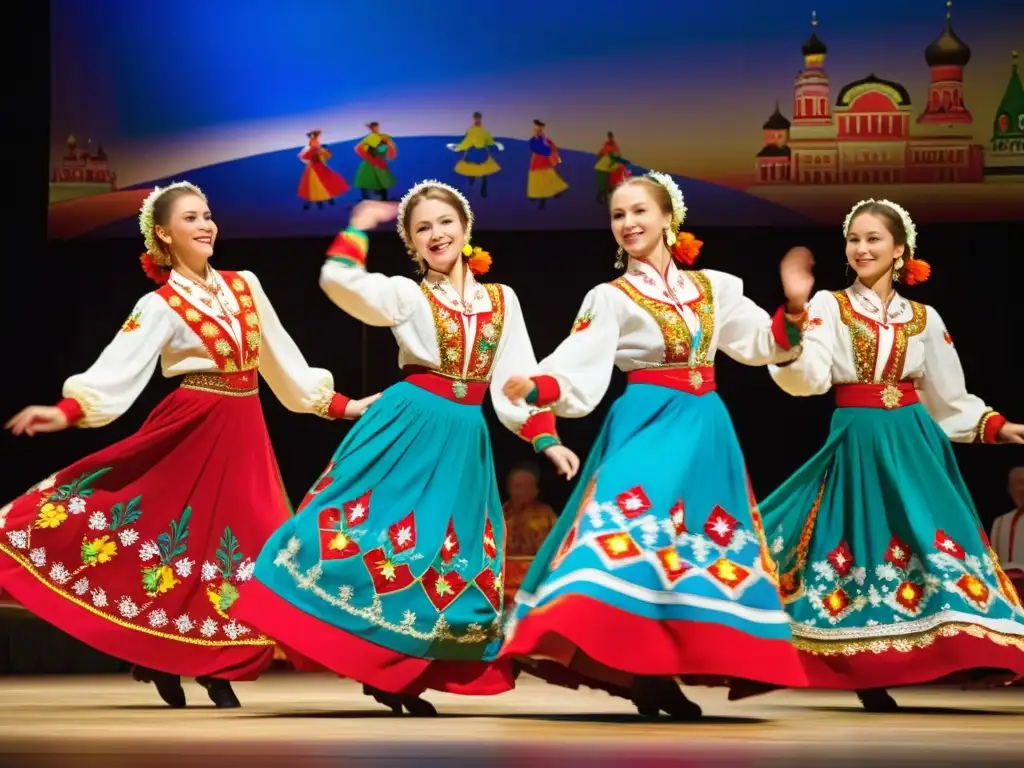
88	404
27	565
904	643
983	424
451	335
212	382
864	337
791	583
322	405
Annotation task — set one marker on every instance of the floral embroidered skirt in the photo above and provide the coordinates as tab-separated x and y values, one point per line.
888	576
390	572
140	549
658	565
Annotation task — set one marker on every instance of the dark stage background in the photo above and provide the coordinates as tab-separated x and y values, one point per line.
70	304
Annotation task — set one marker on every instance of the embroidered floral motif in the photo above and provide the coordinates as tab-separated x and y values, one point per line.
132	323
864	336
948	339
450	326
582	322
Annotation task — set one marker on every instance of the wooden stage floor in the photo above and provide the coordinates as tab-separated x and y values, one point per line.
299	721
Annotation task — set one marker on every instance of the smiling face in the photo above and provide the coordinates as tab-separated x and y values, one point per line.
875	242
437	231
640	217
184	225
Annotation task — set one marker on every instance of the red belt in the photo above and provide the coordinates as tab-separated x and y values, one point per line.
456	390
886	396
233	383
697	381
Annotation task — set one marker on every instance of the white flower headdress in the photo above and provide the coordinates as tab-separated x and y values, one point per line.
908	223
427	184
675	195
147	225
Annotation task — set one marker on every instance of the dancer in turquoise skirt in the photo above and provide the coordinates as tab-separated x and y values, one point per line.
887	574
391	572
659	566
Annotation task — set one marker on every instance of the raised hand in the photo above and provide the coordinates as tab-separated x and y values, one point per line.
797	275
37	419
368	214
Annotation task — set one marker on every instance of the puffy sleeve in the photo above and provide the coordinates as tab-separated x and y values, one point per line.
811	372
370	297
300	389
964	417
747	333
111	384
515	354
574	378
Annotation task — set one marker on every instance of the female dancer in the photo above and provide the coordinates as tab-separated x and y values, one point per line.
391	572
140	549
886	571
658	567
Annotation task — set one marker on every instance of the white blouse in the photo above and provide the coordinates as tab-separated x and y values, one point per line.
189	332
851	338
644	320
429	316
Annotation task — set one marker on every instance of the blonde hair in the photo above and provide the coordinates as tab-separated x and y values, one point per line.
156	210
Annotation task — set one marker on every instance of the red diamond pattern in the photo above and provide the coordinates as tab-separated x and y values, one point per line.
945	543
898	553
678	516
720	526
633	502
403	533
841	558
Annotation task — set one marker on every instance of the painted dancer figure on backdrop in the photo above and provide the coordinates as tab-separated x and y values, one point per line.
477	160
391	572
887	573
140	549
543	180
374	174
610	170
658	566
319	184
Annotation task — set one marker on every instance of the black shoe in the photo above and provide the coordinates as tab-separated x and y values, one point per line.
167	685
414	705
651	694
877	700
220	692
390	700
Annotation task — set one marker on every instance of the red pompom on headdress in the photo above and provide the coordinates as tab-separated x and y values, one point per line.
686	248
154	271
479	262
915	271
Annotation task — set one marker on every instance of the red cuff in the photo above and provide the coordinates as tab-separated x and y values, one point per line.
72	410
538	425
548	391
990	425
336	410
780	329
350	244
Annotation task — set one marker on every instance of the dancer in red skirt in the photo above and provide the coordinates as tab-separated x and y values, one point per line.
140	549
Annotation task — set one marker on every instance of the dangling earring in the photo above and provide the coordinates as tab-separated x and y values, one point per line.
620	258
896	267
467	249
670	237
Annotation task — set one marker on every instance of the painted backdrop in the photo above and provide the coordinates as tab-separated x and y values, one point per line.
768	114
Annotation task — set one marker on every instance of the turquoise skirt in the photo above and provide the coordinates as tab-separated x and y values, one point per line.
658	565
887	574
390	572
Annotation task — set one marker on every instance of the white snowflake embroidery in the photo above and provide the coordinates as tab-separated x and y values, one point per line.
127	608
76	505
99	597
183	567
184	623
128	536
18	539
38	557
244	571
209	571
157	618
59	573
97	521
148	551
234	630
209	628
81	586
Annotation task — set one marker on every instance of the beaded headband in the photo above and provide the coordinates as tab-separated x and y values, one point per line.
146	224
675	195
908	223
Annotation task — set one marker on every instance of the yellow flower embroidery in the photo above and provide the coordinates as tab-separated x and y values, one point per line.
97	551
222	347
51	515
252	319
158	579
252	338
229	366
192	315
174	301
238	285
209	330
246	301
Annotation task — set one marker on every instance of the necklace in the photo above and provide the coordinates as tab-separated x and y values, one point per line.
214	292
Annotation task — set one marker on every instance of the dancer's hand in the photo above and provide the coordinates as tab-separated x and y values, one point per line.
356	408
566	462
1011	433
36	419
500	146
453	147
517	388
797	278
368	214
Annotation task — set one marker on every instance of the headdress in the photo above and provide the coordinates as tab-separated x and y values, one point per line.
478	260
911	270
683	246
156	263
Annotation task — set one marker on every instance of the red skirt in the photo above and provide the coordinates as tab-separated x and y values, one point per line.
140	549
